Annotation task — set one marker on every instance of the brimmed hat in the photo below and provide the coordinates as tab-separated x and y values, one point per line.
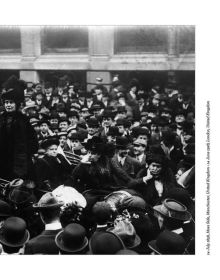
48	201
5	209
141	142
62	133
93	122
44	120
113	131
168	243
173	209
72	238
97	106
49	142
13	232
122	142
21	197
126	231
105	243
181	195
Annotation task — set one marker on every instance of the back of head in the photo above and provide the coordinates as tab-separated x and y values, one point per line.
101	212
105	243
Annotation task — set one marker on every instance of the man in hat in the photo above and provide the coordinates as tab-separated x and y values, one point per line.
18	140
112	133
93	128
13	236
174	216
168	243
63	124
72	240
107	121
139	151
49	208
45	131
130	165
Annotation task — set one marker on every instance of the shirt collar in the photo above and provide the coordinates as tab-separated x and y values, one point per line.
53	226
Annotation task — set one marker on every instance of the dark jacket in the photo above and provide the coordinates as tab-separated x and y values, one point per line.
52	169
18	142
148	190
43	244
87	176
131	166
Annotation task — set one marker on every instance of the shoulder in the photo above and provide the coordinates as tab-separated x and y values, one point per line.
133	160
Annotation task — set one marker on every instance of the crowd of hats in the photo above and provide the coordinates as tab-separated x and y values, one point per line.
168	108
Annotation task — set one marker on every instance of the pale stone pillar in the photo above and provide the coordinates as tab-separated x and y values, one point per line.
29	76
30	49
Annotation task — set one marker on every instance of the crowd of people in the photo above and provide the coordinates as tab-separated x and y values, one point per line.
109	171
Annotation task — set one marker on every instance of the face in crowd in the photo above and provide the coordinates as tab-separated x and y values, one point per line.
111	139
155	169
52	151
107	121
44	128
123	152
62	140
73	120
76	144
10	106
142	137
92	130
121	129
138	149
63	126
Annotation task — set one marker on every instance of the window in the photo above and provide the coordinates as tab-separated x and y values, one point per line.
141	39
10	39
186	39
65	39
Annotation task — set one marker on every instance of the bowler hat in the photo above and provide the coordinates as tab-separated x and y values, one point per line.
72	238
43	121
5	209
122	142
105	243
48	201
168	243
93	122
173	209
13	232
113	131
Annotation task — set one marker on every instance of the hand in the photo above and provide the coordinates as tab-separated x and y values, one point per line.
147	177
86	159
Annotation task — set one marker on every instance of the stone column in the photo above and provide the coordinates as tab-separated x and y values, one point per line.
30	49
101	43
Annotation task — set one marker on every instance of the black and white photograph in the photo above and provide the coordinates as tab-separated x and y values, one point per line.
97	140
109	139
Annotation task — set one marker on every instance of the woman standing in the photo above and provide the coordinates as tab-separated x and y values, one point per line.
18	140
